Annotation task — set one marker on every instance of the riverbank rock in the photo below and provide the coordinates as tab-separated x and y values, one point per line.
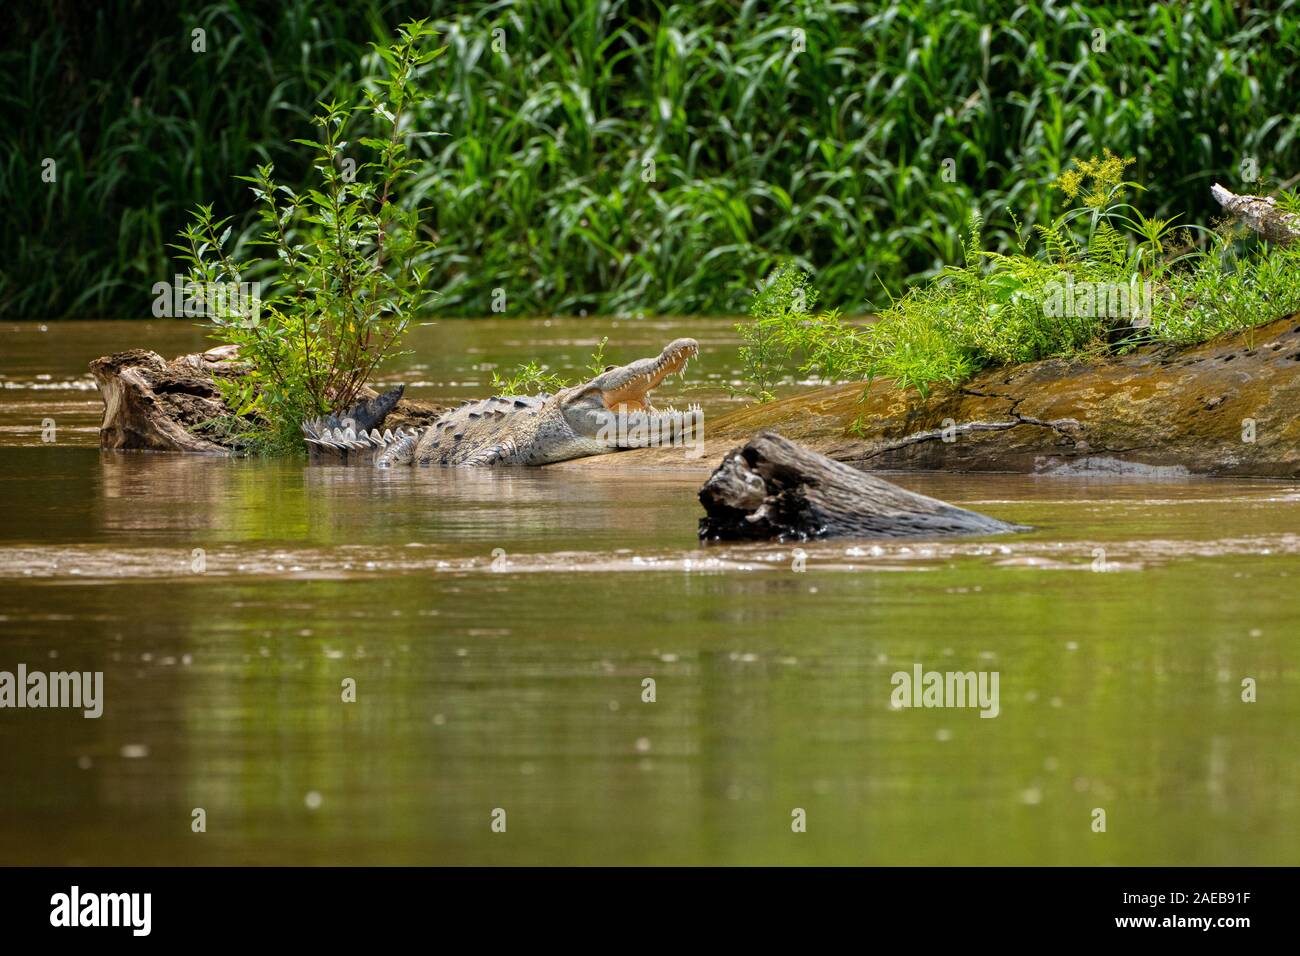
151	404
773	489
1226	407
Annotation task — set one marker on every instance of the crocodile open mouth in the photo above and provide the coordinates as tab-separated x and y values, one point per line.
634	395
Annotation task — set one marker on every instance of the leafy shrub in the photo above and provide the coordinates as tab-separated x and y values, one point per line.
779	305
349	262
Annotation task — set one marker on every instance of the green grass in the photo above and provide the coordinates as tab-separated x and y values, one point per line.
861	157
532	378
1101	278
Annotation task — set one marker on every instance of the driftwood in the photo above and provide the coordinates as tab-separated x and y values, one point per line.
151	404
773	489
155	405
1260	213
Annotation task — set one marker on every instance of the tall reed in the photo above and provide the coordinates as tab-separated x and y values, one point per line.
616	157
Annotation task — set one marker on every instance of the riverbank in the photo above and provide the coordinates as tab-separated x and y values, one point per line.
1223	408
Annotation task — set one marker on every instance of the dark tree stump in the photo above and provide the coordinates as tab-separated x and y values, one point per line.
773	489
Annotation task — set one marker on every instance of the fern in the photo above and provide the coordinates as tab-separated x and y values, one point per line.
1107	246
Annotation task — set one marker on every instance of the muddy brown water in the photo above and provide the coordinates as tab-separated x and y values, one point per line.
499	628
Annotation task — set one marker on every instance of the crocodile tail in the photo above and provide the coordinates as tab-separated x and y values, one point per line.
341	441
365	415
401	451
336	436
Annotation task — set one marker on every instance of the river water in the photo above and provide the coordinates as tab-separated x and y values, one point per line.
497	630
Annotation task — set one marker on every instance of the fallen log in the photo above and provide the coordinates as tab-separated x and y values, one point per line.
1260	213
773	489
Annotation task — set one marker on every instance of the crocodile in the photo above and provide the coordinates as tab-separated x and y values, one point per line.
612	411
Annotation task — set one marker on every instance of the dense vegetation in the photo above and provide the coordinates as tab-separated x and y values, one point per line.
1102	277
624	157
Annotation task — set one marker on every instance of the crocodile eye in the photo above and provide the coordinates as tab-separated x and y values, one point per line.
610	368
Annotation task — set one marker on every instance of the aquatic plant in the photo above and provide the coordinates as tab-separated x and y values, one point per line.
528	379
348	269
532	378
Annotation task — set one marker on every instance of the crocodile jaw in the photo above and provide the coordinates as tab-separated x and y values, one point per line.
602	410
628	389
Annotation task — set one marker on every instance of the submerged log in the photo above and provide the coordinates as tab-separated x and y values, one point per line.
151	404
771	488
